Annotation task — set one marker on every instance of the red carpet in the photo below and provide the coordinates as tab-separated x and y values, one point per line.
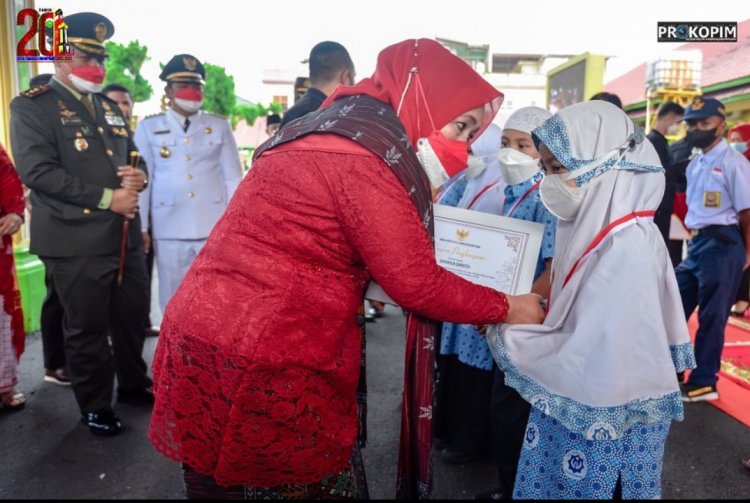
734	378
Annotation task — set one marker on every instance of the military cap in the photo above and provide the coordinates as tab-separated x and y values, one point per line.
273	119
183	68
87	32
702	108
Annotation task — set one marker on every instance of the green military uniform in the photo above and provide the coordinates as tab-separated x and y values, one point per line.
67	150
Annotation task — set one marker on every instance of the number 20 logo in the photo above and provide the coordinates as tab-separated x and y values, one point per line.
39	22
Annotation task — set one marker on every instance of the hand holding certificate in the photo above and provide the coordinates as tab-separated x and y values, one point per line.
493	251
489	250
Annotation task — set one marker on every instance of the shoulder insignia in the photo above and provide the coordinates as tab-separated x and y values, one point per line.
35	91
153	115
215	115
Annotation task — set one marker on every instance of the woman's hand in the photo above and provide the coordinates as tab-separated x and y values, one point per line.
10	223
525	309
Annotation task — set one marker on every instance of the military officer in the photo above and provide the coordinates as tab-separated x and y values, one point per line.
71	145
718	200
195	168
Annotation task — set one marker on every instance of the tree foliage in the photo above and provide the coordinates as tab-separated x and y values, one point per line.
218	96
124	67
251	112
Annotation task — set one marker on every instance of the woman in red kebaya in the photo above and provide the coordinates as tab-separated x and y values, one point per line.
11	318
253	392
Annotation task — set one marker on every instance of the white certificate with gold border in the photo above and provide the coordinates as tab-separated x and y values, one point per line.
489	250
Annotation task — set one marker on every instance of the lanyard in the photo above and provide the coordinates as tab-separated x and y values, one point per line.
606	233
480	194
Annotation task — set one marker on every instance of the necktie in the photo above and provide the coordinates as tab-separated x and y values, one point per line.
86	100
187	124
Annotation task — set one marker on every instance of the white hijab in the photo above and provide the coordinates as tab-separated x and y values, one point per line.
605	356
486	147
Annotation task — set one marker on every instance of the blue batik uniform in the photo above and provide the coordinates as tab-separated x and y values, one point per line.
531	209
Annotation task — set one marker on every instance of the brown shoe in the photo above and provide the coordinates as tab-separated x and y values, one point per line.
57	376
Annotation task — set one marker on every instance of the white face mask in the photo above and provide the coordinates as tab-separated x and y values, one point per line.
476	167
673	129
189	106
560	199
516	167
431	164
84	86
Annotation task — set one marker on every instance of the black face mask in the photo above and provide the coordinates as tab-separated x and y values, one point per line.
701	138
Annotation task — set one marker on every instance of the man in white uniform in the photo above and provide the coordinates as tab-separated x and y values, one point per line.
195	167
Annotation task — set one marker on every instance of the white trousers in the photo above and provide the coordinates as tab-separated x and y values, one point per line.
173	259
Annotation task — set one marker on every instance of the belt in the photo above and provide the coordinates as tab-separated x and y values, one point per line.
719	232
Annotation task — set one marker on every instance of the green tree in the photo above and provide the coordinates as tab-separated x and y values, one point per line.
124	67
218	95
251	112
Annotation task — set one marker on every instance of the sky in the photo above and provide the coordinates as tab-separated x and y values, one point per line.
248	37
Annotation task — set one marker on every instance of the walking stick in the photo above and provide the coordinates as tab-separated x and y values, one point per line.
125	228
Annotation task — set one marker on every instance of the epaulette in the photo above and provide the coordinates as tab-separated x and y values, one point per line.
35	91
216	115
153	115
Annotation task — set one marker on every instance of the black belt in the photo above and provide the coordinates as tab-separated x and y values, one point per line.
722	233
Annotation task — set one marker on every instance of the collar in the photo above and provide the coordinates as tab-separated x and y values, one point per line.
316	94
181	118
715	153
72	91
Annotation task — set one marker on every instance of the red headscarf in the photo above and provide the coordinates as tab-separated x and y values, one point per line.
744	131
441	88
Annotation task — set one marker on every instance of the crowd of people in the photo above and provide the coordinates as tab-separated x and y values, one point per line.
256	397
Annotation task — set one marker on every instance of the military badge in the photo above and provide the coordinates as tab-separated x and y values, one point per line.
81	144
101	32
113	120
190	63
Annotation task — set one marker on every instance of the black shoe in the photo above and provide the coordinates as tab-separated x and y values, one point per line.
103	422
698	393
139	395
680	377
451	455
495	494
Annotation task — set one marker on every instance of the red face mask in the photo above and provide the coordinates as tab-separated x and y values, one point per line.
453	154
189	94
94	74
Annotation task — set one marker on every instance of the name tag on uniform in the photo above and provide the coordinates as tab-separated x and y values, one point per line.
711	199
71	121
114	120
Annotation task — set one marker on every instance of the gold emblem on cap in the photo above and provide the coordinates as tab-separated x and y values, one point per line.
81	144
101	32
164	152
190	63
697	104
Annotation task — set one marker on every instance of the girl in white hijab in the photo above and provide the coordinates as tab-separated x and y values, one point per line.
600	371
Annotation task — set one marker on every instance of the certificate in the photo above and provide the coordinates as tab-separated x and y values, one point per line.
489	250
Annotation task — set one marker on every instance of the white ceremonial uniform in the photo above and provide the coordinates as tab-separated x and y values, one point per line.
193	174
